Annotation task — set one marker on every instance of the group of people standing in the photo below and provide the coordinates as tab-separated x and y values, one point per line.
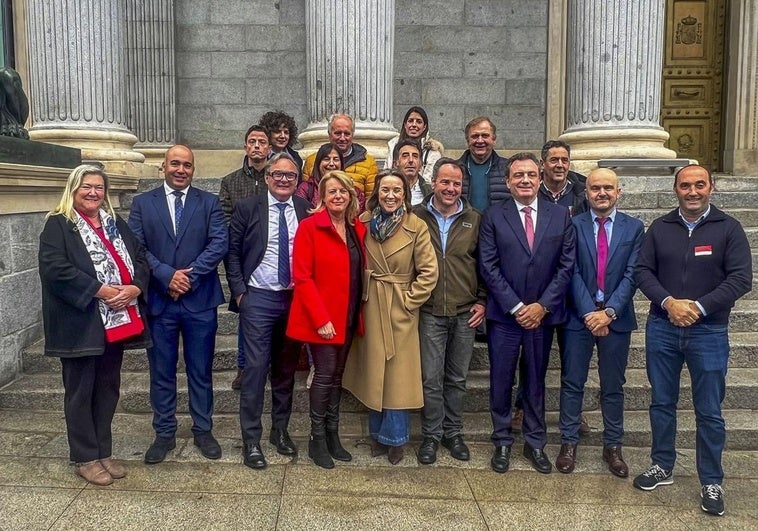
387	276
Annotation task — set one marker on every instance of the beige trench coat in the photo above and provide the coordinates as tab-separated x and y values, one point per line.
383	368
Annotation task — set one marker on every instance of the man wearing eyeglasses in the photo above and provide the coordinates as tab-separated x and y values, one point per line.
248	181
259	272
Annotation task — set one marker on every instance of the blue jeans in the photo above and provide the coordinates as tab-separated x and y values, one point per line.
389	426
705	350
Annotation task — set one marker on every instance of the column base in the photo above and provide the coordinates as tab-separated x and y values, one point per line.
373	136
741	161
590	145
97	145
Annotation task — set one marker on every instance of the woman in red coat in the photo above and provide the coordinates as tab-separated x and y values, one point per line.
328	262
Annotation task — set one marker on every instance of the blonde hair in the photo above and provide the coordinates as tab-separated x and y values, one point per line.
351	212
65	206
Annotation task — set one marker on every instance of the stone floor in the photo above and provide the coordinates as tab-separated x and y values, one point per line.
38	489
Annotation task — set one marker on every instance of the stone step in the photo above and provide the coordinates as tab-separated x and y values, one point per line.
748	217
45	392
48	428
744	354
664	183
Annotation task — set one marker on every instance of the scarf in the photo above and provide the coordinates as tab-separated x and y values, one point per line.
113	266
383	225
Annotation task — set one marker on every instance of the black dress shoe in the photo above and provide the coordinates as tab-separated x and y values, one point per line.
457	447
208	445
253	457
427	452
158	450
501	459
538	459
281	439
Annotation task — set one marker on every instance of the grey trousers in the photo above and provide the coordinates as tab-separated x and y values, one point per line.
446	347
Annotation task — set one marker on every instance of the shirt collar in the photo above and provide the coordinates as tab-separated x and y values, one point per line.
698	220
612	215
433	209
169	191
273	200
521	205
562	191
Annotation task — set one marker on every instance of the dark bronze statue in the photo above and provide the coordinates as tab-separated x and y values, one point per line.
14	105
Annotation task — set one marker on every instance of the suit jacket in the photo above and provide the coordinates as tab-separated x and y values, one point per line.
202	242
248	237
515	274
620	286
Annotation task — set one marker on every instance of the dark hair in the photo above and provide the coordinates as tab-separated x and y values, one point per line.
279	156
550	144
258	127
321	154
476	121
524	155
711	178
373	201
424	117
274	120
442	161
405	142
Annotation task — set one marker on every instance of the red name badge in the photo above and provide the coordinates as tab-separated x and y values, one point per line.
703	250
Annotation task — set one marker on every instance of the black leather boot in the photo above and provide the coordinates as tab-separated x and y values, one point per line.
317	449
336	450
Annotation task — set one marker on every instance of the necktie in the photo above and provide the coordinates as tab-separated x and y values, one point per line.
602	252
529	226
178	209
284	248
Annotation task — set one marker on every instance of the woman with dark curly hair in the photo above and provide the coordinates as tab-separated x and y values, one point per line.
282	134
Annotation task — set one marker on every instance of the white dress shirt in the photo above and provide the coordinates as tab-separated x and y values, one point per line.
171	198
266	275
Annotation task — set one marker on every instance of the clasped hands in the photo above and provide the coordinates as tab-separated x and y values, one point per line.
529	316
597	322
682	312
180	283
118	297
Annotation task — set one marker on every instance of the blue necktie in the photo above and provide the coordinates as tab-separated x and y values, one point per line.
284	248
178	209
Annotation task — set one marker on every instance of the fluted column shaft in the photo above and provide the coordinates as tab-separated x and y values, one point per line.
741	132
614	74
150	75
349	56
77	77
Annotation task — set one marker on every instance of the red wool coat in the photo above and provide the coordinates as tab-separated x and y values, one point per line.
321	271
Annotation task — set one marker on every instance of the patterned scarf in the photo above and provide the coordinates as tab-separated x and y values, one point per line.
383	224
106	268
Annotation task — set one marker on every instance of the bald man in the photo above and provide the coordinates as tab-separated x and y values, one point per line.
601	313
185	235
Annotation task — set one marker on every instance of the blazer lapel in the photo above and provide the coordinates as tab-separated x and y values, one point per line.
588	235
161	206
542	221
513	218
619	226
190	204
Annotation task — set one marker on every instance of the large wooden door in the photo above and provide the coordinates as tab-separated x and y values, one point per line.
693	79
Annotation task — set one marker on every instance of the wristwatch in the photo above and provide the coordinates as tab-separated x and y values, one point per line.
610	312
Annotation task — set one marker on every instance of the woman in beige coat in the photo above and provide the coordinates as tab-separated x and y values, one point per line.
384	366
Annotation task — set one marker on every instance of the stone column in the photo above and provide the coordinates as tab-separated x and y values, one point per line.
77	80
614	66
349	56
741	130
150	76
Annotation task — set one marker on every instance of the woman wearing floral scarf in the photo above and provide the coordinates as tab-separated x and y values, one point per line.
94	275
384	366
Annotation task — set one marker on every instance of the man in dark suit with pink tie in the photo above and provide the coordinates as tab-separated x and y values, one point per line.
601	312
526	251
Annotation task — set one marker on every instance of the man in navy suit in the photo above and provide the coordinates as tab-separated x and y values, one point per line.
259	273
526	251
184	232
601	312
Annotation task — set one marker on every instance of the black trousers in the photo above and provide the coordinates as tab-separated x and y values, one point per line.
326	388
91	387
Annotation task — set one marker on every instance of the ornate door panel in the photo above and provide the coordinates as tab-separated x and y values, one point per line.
693	74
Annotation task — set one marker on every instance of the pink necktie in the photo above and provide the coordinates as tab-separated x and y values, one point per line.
529	226
602	253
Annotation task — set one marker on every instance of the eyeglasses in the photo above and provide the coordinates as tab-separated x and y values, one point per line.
283	175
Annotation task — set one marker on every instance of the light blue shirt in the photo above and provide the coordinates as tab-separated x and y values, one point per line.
443	222
266	275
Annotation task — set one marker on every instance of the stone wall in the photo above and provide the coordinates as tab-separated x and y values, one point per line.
20	310
237	59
